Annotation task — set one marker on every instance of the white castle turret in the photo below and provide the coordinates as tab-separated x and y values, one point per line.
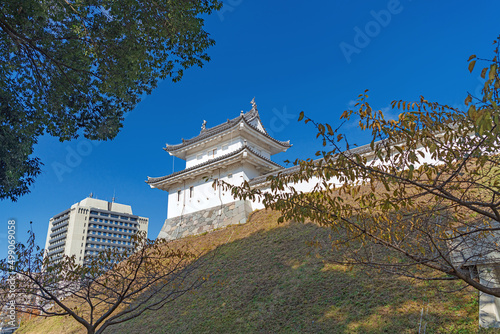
236	151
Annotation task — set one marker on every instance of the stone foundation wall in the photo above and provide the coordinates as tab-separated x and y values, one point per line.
206	220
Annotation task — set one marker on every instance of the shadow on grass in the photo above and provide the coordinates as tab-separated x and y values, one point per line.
273	282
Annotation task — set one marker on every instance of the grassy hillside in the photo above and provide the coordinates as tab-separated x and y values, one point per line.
268	279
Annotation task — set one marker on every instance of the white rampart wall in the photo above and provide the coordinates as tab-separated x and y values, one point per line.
203	195
305	187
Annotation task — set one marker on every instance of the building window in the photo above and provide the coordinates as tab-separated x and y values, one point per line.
191	192
199	156
224	147
212	153
229	176
178	195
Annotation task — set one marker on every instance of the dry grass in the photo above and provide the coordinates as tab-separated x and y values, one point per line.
268	279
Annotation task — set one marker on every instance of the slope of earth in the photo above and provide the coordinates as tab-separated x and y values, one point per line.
273	278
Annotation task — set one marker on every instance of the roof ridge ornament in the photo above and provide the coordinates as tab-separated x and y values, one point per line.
254	105
203	125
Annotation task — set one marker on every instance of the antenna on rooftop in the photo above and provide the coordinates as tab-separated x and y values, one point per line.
113	199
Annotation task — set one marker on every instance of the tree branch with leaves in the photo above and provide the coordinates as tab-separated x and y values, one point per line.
75	68
421	200
109	288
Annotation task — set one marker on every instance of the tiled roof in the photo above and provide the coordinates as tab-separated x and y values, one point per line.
152	180
206	133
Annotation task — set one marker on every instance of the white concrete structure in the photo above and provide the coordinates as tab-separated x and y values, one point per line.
90	226
479	252
236	151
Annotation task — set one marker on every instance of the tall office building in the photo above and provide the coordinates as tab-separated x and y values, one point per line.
91	226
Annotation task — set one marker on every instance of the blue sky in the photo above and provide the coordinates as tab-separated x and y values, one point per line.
292	56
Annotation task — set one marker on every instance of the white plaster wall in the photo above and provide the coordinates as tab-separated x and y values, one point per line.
205	155
302	187
233	144
204	195
260	150
250	171
257	124
305	187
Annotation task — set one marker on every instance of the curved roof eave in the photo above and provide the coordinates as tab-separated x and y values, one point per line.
221	128
152	180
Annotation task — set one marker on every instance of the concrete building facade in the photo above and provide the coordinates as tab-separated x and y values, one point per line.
89	227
